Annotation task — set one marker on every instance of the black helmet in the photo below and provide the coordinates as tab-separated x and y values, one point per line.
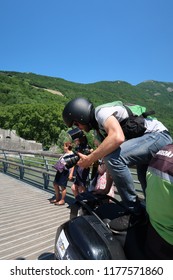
79	110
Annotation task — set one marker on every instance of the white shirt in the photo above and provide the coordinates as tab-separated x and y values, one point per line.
120	113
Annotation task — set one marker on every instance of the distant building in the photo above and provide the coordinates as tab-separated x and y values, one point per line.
9	140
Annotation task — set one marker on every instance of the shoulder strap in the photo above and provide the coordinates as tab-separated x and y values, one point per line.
130	113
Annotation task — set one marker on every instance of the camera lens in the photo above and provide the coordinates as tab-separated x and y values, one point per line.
70	162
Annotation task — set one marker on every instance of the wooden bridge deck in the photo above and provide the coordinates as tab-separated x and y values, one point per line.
28	222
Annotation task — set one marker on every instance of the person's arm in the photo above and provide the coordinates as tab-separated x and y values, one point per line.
115	137
71	173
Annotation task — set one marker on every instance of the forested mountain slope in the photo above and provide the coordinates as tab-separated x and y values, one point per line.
32	104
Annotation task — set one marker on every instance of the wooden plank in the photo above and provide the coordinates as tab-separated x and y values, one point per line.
28	222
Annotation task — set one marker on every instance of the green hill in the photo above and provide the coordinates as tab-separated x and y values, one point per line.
32	104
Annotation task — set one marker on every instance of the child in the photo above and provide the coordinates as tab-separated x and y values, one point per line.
62	177
79	185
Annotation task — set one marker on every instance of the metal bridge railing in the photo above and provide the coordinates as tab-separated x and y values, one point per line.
37	167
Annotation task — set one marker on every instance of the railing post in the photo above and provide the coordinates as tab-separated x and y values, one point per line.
45	175
21	168
5	164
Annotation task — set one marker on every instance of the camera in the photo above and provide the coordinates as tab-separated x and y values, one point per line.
70	160
81	147
76	133
73	159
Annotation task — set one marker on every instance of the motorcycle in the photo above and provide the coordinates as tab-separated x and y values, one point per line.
101	228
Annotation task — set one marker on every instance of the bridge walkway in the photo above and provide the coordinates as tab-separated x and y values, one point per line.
28	222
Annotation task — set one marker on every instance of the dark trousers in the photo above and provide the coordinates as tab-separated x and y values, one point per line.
156	248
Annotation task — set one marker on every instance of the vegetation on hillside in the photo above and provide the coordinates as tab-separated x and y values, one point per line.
36	114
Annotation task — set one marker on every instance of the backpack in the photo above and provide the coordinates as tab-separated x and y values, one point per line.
134	125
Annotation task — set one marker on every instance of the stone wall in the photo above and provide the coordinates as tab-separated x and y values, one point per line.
9	140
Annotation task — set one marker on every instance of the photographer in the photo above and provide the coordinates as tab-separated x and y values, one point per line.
118	148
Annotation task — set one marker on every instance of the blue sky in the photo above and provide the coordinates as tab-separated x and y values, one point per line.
87	41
